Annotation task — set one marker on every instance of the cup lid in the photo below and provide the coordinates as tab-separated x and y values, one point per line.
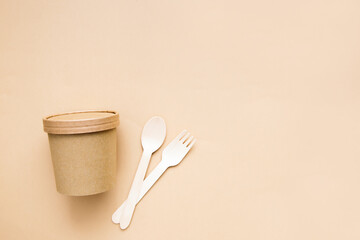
81	122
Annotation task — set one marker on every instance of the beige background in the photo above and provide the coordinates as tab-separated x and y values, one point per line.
269	88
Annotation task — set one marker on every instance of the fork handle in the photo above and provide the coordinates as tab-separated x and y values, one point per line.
152	178
148	183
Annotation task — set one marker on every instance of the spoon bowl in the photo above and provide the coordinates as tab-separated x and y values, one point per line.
153	134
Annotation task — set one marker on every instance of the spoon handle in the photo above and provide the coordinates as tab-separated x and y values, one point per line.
125	217
148	183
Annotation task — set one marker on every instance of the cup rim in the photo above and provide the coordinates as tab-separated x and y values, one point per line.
85	125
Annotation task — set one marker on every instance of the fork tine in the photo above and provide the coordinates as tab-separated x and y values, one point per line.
192	143
184	138
188	141
176	140
178	137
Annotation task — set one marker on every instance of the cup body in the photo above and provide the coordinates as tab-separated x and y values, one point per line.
84	164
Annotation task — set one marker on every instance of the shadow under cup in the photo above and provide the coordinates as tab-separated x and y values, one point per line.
83	151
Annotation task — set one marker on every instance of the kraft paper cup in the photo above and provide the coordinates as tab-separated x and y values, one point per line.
83	151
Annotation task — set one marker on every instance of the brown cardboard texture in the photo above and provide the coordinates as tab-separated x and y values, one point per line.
83	151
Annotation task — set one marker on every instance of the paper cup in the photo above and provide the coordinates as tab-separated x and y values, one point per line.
83	151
